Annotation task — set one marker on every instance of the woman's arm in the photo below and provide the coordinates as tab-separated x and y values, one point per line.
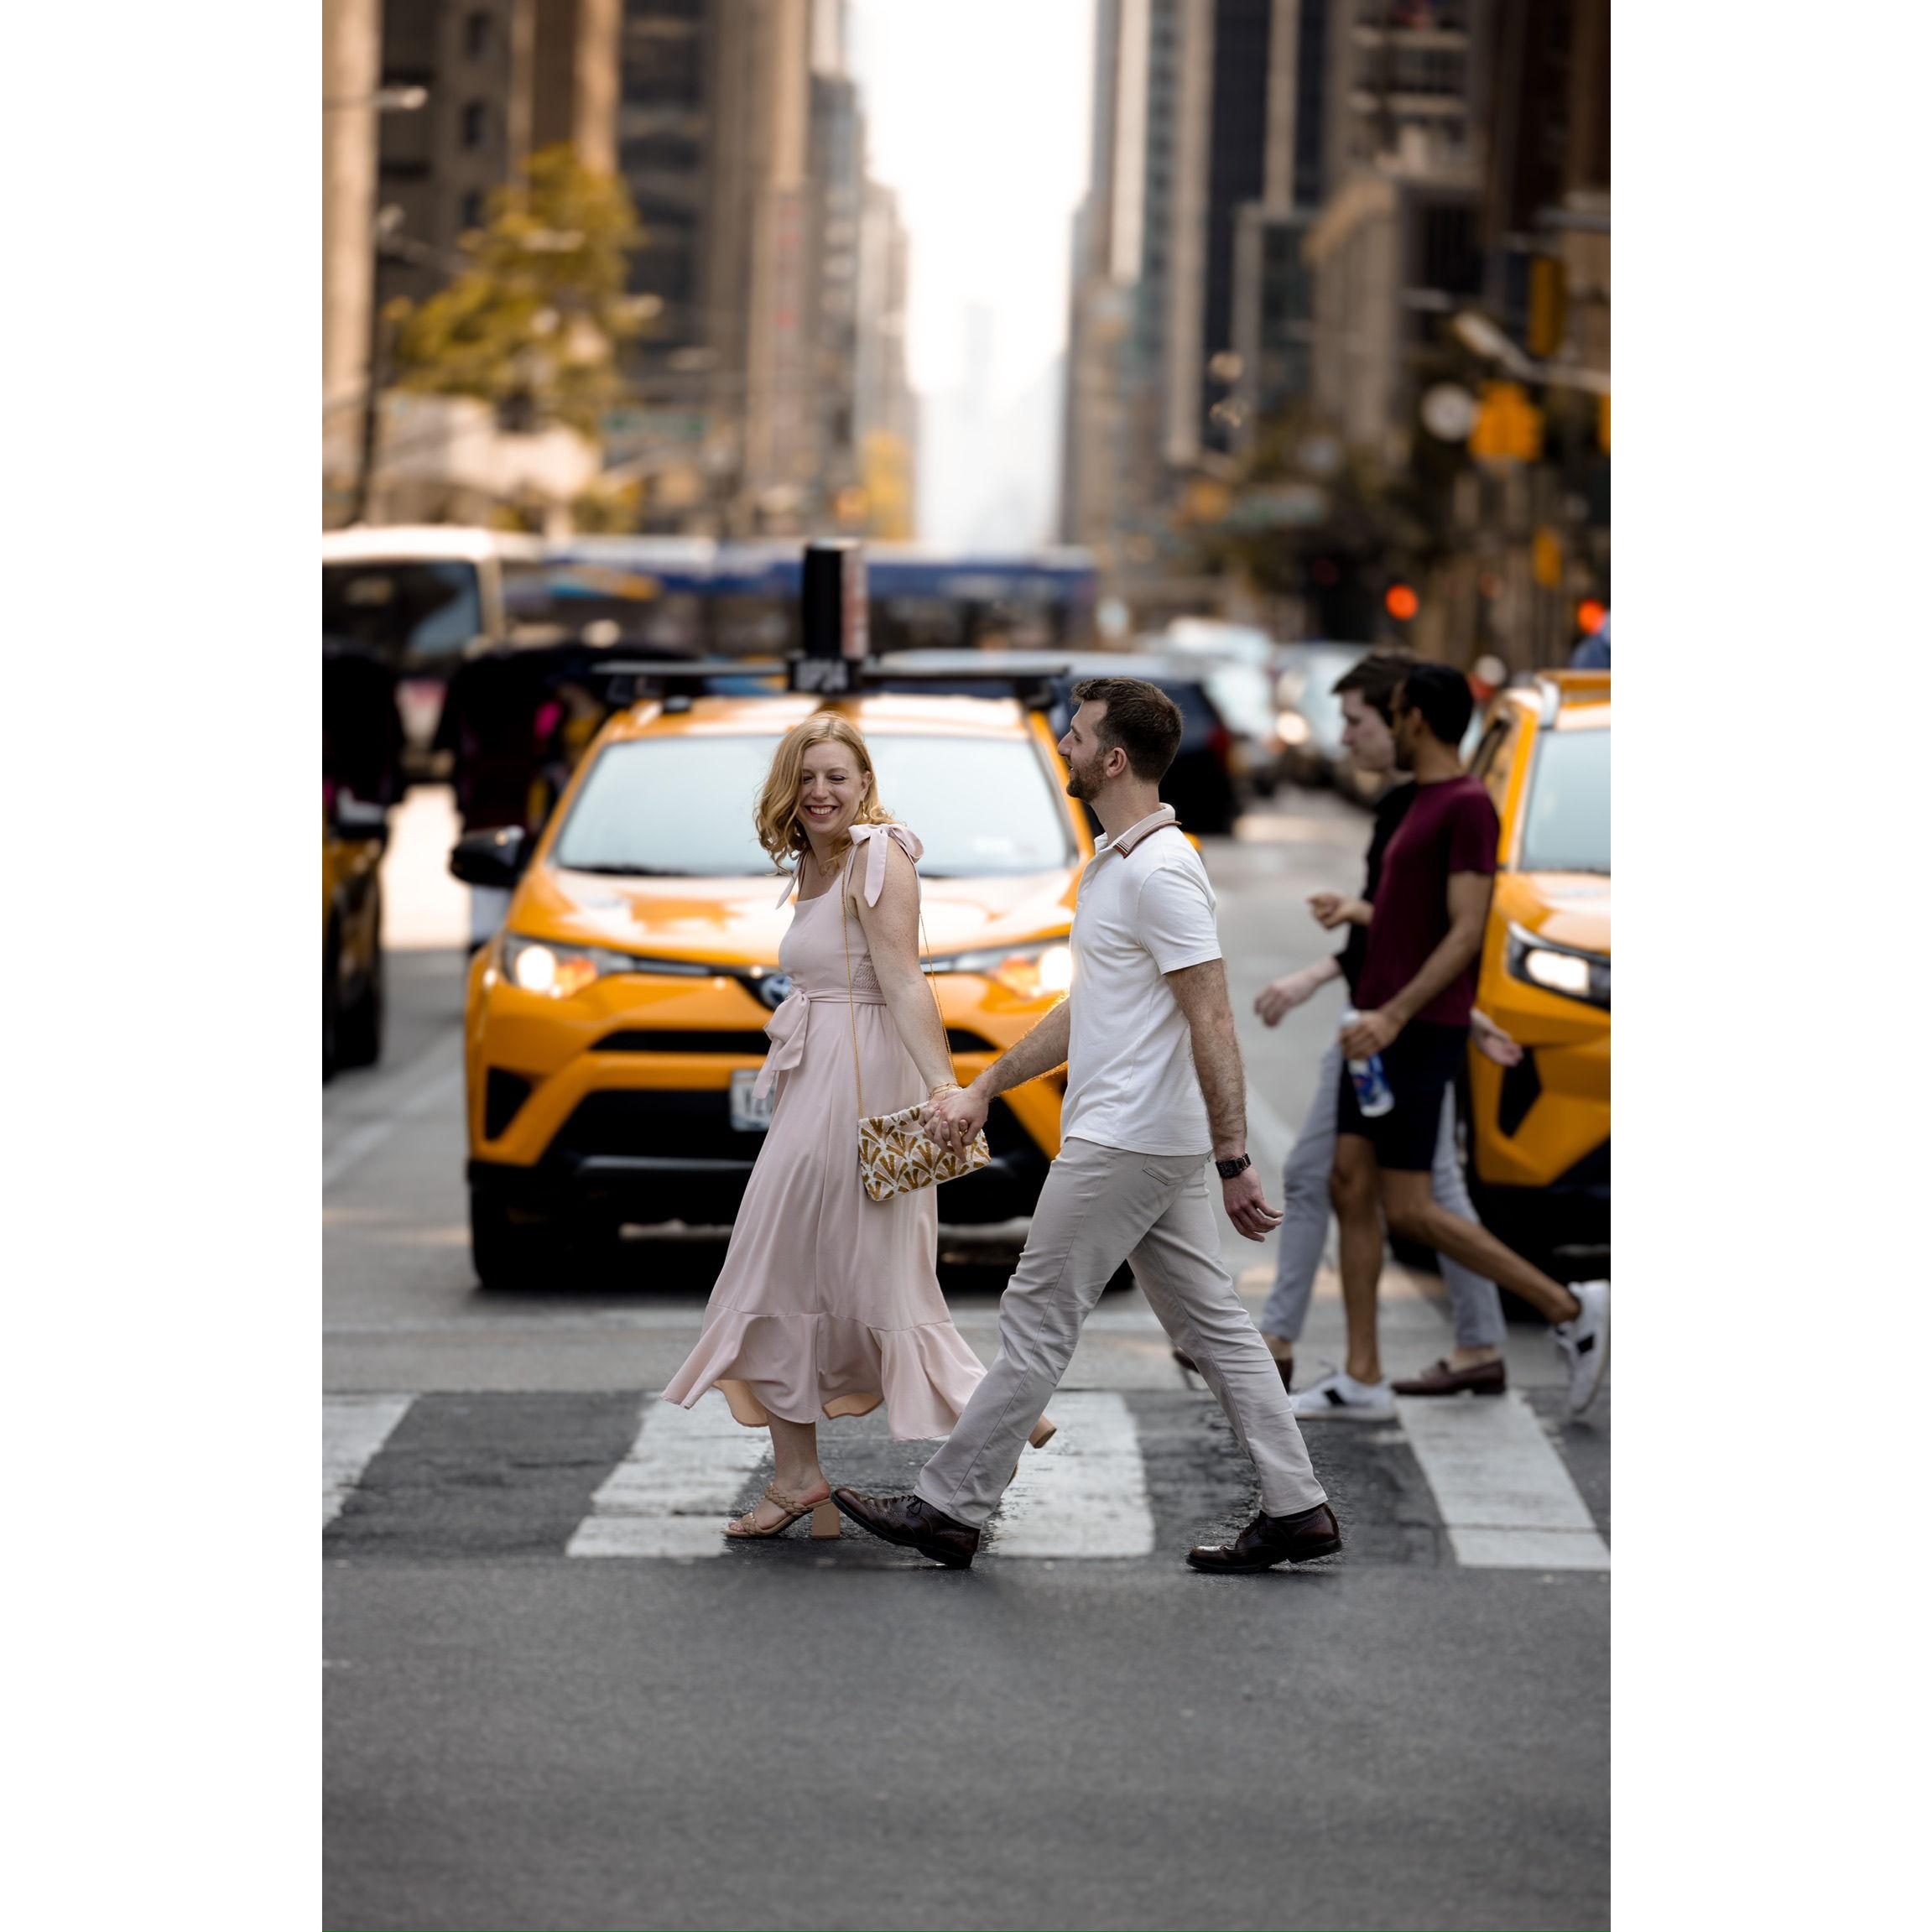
892	933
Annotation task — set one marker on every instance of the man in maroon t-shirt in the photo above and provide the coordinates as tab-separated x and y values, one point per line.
1415	992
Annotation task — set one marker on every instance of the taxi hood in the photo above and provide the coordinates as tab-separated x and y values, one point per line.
1567	909
734	922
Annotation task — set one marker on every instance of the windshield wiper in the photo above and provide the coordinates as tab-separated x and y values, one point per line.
625	871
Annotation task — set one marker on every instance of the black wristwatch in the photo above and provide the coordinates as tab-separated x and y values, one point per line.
1227	1170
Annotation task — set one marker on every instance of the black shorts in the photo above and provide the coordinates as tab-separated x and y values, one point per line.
1419	1068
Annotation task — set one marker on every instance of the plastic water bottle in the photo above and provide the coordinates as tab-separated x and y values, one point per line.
1372	1094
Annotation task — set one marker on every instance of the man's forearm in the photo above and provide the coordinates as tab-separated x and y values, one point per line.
1040	1052
1459	945
1217	1066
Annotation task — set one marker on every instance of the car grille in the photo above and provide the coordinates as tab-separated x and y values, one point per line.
663	1124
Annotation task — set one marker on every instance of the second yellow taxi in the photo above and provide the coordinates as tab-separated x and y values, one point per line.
1539	1130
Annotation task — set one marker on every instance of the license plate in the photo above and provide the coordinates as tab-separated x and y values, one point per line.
749	1114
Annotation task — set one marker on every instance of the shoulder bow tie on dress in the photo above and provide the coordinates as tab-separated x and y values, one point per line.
786	1029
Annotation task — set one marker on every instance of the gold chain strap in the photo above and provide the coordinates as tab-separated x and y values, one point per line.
852	1005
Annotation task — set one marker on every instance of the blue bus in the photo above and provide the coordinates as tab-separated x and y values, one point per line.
731	599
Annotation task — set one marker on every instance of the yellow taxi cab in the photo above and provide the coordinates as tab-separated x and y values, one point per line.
353	838
1539	1142
614	1027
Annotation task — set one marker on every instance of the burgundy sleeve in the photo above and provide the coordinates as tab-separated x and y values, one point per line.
1474	833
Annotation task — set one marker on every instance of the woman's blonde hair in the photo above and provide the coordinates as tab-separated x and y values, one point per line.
779	831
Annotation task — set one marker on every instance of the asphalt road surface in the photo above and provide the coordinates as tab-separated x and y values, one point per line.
555	1697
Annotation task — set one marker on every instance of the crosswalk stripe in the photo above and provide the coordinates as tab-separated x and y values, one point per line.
677	1483
1505	1498
1085	1494
354	1427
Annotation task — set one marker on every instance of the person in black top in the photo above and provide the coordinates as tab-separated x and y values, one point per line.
1417	996
1365	692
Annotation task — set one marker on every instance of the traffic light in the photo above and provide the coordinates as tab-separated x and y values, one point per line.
1401	602
1508	425
1589	614
1548	302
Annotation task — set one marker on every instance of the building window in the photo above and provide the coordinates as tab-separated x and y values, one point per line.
472	214
476	123
476	35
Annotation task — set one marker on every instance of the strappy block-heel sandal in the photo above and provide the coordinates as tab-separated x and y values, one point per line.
825	1517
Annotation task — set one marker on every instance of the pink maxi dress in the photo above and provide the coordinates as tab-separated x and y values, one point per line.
829	1303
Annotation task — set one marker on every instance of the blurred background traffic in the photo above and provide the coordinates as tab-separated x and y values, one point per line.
627	302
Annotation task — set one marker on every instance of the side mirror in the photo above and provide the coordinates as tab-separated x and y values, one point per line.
495	858
357	818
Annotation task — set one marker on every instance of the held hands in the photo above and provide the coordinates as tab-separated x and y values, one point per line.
952	1119
1370	1033
1247	1205
1282	996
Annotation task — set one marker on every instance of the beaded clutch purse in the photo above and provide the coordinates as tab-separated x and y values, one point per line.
896	1153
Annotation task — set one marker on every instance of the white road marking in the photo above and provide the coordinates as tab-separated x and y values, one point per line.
1085	1494
670	1495
1505	1498
354	1427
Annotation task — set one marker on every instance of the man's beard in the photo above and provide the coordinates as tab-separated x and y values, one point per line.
1078	785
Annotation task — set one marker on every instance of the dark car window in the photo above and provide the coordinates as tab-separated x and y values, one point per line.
1566	828
682	807
409	615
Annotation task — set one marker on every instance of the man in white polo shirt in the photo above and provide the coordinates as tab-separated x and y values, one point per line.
1153	1082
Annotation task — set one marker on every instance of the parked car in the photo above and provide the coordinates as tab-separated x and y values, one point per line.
1202	784
1234	661
614	1027
1539	1133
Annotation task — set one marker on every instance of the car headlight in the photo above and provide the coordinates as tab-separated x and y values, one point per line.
1043	971
1291	727
550	967
1566	970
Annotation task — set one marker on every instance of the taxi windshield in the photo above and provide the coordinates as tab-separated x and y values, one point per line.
682	807
1567	827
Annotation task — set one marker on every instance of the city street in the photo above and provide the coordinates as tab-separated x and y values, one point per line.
556	1697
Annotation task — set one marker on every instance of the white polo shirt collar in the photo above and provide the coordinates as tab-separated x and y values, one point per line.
1134	833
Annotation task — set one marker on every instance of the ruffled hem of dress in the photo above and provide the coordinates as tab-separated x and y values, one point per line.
764	1367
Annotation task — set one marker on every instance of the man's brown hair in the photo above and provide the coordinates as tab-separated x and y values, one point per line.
1140	718
1378	677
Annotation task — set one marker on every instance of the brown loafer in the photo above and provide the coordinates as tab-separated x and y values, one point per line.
1271	1540
1286	1368
1485	1379
916	1525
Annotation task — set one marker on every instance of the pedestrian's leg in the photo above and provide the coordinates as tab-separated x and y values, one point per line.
1352	1186
1178	1265
795	1471
1474	1304
1414	1216
1096	1203
1305	1212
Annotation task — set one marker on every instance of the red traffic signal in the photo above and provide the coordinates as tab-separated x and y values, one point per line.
1589	616
1401	602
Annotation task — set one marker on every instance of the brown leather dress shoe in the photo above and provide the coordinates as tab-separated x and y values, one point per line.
909	1520
1485	1379
1271	1540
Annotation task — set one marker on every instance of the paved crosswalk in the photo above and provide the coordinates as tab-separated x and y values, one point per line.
1474	1484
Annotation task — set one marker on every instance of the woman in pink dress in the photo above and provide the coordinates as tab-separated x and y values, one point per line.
829	1302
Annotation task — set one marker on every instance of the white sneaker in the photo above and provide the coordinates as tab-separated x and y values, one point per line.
1339	1394
1584	1343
